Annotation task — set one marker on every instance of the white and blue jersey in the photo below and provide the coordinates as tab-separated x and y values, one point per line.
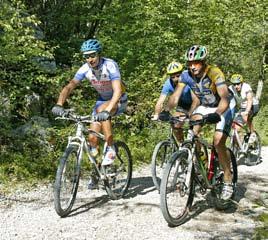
102	77
186	97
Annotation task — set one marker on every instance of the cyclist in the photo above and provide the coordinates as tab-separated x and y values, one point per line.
208	83
104	75
188	102
247	103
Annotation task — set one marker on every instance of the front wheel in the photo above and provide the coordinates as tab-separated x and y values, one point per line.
161	154
67	181
216	191
234	146
177	188
119	173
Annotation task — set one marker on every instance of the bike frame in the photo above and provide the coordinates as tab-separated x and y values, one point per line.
208	174
209	183
172	137
243	147
79	140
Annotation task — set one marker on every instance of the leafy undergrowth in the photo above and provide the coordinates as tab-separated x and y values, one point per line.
262	231
10	187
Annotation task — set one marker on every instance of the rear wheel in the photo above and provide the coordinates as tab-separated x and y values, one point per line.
162	153
254	151
67	181
219	182
177	188
119	173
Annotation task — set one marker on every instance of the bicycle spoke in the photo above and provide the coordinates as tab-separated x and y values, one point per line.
119	173
254	151
67	180
162	153
176	196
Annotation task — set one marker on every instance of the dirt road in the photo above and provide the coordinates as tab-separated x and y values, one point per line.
31	215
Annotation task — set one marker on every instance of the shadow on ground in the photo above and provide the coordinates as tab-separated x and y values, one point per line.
140	186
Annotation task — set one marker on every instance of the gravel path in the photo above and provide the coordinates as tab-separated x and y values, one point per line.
31	215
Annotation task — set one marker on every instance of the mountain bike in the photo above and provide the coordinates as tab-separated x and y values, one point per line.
114	178
190	167
247	148
163	151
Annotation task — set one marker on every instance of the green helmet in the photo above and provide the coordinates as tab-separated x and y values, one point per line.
196	52
237	78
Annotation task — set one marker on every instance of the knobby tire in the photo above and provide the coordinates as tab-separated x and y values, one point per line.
67	181
161	154
120	172
176	196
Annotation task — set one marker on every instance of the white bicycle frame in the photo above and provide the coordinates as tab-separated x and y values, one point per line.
79	140
243	146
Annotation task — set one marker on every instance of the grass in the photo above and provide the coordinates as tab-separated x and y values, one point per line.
261	232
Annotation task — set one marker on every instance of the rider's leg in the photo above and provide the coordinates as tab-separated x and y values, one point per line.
224	158
250	124
93	140
177	127
240	135
196	130
107	125
178	132
110	153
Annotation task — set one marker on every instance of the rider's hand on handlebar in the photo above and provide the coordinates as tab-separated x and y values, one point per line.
164	116
102	116
212	118
58	110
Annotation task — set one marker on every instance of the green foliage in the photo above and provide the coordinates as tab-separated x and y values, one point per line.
19	47
262	231
260	124
31	163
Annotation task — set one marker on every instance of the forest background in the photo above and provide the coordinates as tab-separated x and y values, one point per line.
39	54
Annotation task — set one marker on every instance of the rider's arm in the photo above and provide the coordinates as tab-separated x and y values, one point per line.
117	93
249	102
175	97
66	91
223	94
159	105
195	103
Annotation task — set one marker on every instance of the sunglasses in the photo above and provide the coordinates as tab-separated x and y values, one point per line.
236	84
175	76
91	55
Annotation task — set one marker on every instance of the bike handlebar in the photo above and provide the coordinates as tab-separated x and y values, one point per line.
69	115
182	119
173	120
198	122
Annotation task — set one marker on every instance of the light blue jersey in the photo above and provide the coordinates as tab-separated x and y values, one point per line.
186	97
